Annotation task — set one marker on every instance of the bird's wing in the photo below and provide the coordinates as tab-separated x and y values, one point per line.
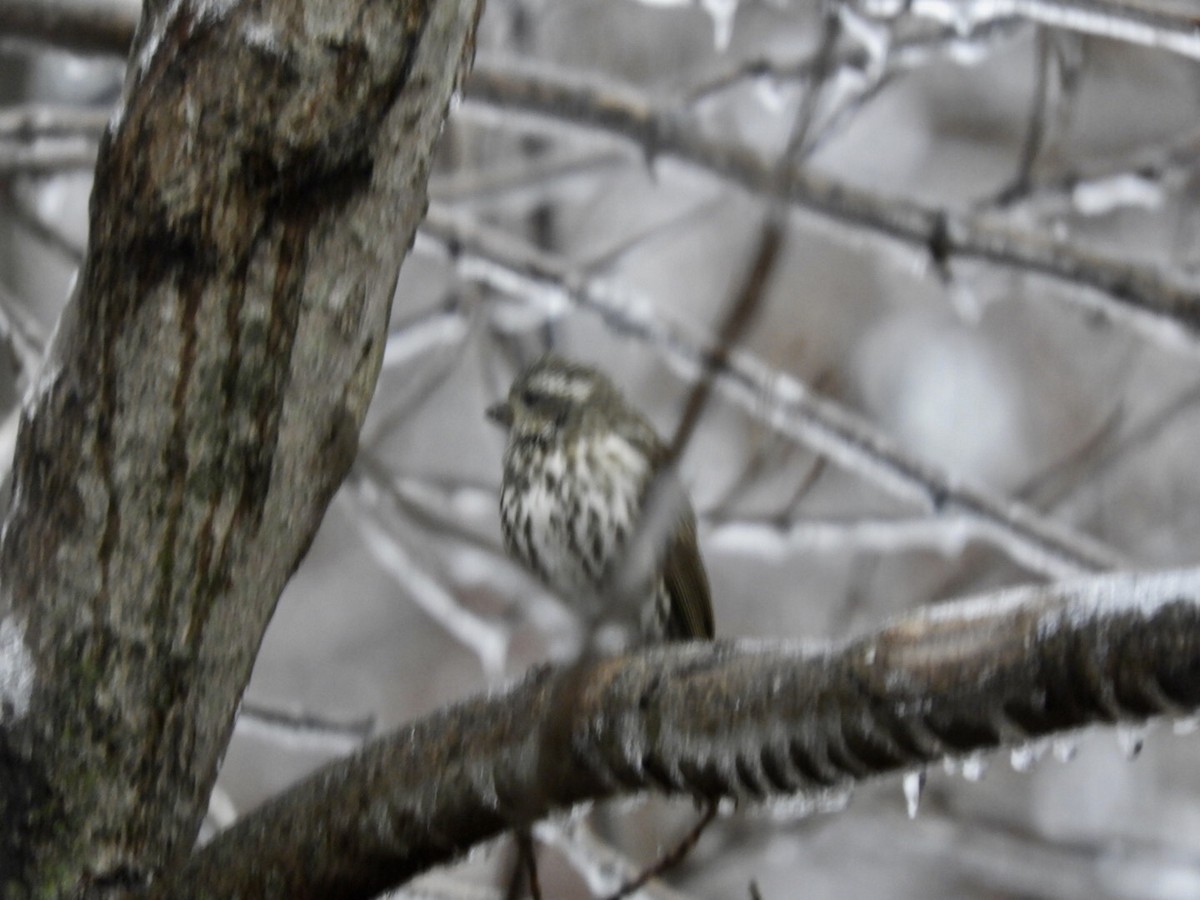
691	615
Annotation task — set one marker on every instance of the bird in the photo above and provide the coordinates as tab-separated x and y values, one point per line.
578	465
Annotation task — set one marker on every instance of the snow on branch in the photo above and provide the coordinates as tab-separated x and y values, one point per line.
748	722
1133	23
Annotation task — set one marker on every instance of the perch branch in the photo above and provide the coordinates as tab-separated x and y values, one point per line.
744	722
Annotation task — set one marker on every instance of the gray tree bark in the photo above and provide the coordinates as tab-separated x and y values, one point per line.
253	200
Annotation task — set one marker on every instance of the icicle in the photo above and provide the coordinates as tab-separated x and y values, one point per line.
914	785
771	94
873	36
1131	739
722	13
1187	725
974	767
1065	749
1025	757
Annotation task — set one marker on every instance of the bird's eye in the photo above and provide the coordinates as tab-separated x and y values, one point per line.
530	398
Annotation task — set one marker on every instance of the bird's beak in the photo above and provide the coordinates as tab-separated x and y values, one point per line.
501	414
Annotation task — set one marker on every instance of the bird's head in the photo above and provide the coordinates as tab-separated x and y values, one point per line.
553	396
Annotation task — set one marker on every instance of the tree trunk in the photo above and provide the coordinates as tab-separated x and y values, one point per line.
254	198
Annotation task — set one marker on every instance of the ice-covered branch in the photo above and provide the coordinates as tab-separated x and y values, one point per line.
45	157
1167	309
1133	23
777	540
33	121
545	282
750	723
904	51
1143	179
41	140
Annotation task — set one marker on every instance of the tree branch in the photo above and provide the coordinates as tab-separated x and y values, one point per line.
1120	21
779	400
748	723
81	26
1166	309
199	407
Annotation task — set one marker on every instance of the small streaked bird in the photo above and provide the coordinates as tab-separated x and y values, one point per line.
577	467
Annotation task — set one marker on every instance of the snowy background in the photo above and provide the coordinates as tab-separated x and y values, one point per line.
886	370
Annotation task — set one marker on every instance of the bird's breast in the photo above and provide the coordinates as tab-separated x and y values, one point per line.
568	510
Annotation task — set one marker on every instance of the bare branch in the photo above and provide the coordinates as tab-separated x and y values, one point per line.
669	860
706	721
82	26
304	730
45	157
39	121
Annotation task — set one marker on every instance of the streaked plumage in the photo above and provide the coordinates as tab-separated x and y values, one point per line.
576	469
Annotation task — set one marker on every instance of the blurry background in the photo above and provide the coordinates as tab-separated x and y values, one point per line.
904	423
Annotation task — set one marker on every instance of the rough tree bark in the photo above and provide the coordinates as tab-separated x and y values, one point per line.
254	198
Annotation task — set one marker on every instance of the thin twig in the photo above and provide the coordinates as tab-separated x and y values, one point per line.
1142	178
46	157
1035	131
524	866
305	729
38	120
671	858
